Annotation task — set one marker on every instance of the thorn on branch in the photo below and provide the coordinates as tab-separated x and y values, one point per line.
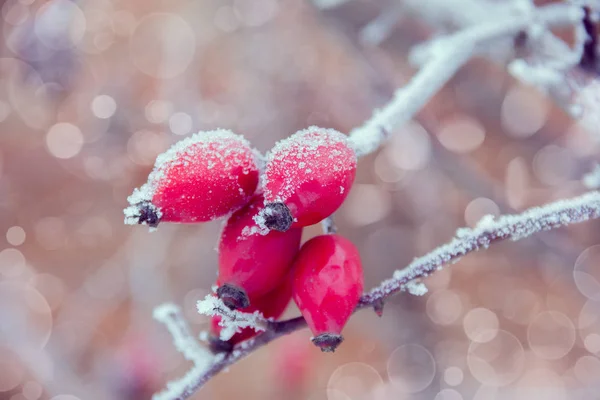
378	307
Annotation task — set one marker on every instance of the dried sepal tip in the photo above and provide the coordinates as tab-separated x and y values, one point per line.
233	296
327	342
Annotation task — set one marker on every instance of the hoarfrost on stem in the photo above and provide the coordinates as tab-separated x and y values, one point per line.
232	321
488	230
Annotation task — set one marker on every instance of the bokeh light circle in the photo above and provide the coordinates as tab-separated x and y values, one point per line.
481	325
444	307
587	274
64	140
60	24
356	380
15	235
162	45
497	362
453	376
448	394
551	335
25	314
411	368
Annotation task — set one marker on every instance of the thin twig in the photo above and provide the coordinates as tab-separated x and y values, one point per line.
488	231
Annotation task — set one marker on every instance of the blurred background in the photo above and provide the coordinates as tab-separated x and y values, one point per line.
92	91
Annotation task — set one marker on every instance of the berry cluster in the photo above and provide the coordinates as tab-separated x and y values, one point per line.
304	179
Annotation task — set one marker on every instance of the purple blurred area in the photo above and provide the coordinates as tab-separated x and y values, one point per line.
92	91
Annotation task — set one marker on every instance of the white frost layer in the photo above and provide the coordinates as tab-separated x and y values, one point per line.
298	152
184	152
232	321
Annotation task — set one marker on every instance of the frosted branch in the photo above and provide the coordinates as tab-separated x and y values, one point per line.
488	231
184	341
443	58
182	388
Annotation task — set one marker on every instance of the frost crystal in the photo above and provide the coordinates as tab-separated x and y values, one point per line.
232	321
416	288
296	153
217	143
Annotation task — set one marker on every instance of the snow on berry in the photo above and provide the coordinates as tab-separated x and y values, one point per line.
327	285
307	177
200	178
251	262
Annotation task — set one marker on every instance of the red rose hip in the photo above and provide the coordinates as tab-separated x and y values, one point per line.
327	284
307	178
200	178
253	261
271	305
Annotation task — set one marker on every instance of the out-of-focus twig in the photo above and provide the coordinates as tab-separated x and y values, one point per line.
444	58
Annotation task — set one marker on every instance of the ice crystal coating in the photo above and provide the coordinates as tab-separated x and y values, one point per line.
200	178
310	173
232	321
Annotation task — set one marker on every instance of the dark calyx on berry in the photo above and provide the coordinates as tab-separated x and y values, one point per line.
277	217
218	346
233	297
148	214
327	342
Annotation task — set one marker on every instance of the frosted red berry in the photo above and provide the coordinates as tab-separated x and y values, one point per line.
253	261
307	178
271	305
200	178
327	284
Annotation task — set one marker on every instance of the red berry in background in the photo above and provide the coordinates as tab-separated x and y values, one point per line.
293	363
200	178
307	178
253	261
271	305
327	284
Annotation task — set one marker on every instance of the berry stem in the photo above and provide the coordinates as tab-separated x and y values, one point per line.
488	231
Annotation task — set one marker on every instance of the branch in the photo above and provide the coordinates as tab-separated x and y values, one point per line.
488	231
170	315
445	57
